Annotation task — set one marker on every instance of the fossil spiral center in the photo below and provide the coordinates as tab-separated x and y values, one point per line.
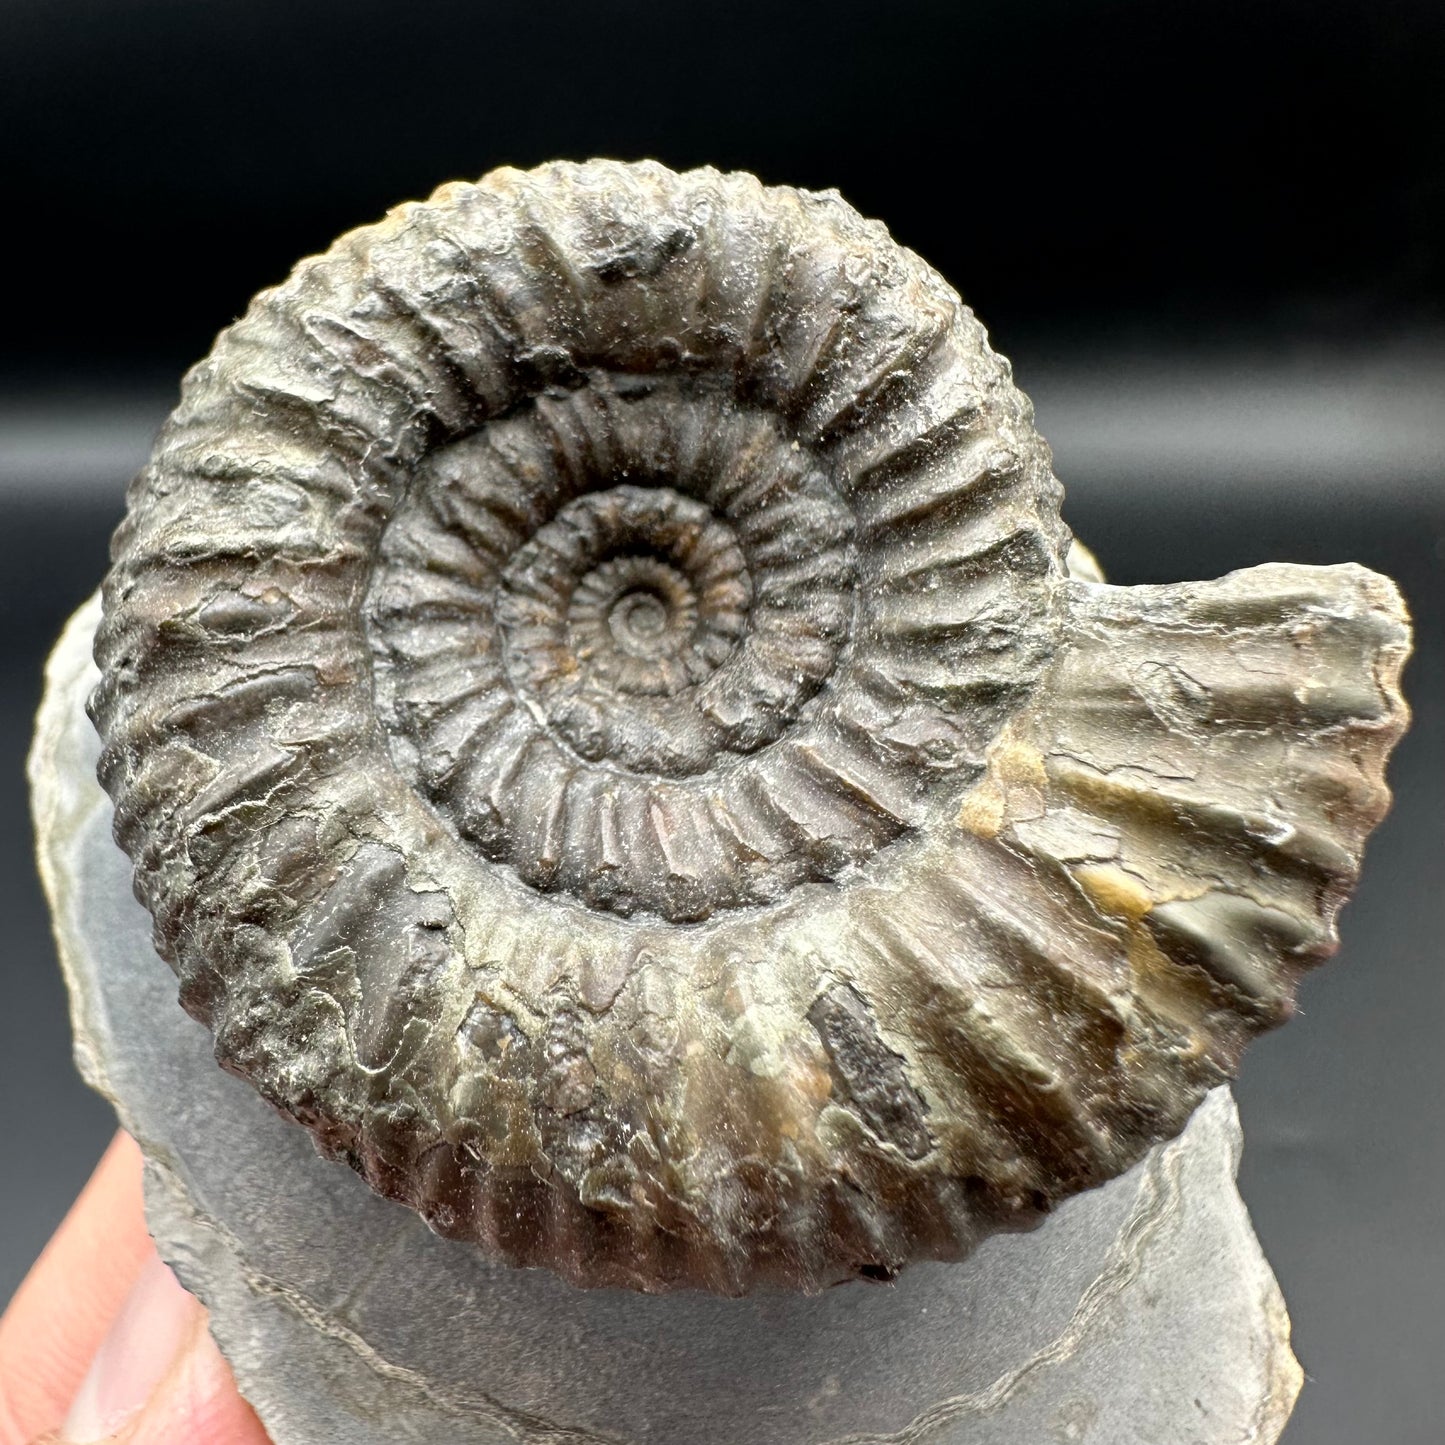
613	616
604	626
638	619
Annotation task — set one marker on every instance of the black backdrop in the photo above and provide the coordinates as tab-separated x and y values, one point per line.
1185	167
1212	236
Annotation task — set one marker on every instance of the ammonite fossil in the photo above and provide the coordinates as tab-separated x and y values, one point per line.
596	699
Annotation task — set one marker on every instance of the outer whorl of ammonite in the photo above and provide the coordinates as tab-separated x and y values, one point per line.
594	694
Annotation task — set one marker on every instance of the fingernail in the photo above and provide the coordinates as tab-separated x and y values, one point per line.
145	1337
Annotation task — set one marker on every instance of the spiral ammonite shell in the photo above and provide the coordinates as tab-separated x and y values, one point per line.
595	697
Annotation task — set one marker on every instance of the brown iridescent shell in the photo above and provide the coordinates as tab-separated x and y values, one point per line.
603	722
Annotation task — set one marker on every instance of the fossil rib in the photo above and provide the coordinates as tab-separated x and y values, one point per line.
595	698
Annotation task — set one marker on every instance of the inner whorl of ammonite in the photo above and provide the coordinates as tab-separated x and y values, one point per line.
593	618
593	691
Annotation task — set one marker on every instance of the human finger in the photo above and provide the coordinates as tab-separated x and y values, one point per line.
62	1311
158	1378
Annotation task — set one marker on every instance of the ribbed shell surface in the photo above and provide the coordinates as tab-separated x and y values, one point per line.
596	701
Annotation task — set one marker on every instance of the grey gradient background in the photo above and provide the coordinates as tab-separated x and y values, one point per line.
1212	237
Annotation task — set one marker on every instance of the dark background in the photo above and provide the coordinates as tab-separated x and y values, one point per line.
1212	237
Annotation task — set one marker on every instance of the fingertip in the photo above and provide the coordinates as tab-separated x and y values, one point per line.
66	1304
147	1337
196	1402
